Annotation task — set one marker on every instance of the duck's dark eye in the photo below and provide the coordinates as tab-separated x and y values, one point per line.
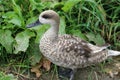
46	16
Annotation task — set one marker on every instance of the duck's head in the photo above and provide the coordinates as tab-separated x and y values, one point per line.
47	17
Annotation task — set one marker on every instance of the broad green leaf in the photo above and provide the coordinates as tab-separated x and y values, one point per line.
6	40
9	14
34	53
57	5
22	40
31	20
12	17
62	26
79	34
40	31
8	26
16	20
97	39
69	4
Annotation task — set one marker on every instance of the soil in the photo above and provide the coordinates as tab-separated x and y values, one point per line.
102	71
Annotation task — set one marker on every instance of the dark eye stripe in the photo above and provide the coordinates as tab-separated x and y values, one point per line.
46	16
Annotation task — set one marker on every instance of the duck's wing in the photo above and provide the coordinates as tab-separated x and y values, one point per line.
78	46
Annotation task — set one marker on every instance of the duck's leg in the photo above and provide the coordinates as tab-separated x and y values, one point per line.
72	77
64	73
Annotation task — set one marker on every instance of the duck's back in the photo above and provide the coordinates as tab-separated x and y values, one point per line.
70	51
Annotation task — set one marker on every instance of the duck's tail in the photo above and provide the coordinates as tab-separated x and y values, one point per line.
113	53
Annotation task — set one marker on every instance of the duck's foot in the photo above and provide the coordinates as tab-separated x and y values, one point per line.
64	73
72	77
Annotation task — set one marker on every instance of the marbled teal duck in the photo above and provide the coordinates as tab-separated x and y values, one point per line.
67	50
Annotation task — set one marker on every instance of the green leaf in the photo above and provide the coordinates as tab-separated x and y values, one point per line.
12	17
62	25
17	8
69	4
8	26
31	20
6	40
16	20
97	39
40	31
18	11
3	76
34	53
22	40
36	5
79	34
9	14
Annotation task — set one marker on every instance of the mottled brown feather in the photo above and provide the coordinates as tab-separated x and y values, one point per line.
67	50
72	43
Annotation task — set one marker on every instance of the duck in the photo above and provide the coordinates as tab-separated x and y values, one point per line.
67	50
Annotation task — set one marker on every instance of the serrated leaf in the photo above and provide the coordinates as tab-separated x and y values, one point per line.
22	40
6	40
96	38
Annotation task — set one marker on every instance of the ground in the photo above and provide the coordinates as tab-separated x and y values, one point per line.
108	70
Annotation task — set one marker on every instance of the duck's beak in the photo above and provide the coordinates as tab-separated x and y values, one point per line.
34	24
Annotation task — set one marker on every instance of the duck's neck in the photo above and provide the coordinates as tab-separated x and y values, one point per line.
52	32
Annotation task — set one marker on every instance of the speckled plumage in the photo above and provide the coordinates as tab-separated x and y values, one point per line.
71	52
67	50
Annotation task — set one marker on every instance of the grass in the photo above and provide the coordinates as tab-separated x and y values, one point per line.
96	21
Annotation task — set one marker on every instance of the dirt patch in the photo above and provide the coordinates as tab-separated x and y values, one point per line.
102	71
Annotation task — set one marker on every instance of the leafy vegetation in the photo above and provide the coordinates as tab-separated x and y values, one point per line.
96	21
6	77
